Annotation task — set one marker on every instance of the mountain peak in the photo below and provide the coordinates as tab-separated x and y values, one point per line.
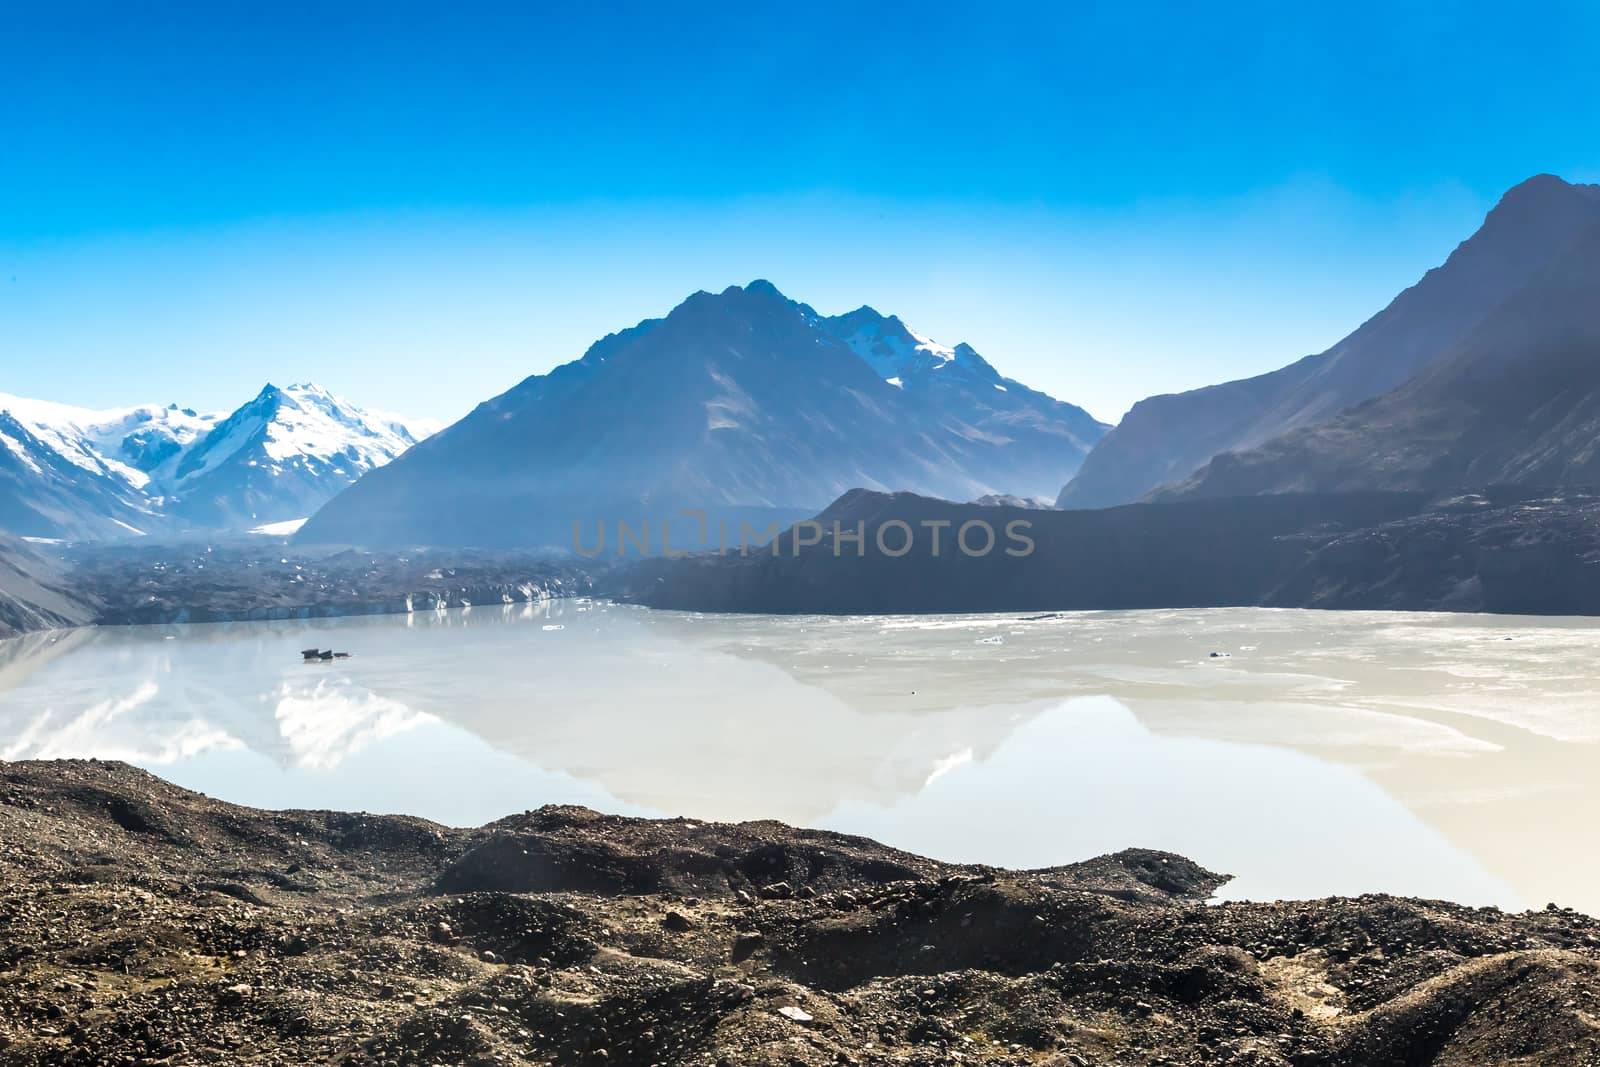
1168	439
762	287
759	294
743	402
1539	185
967	356
1544	198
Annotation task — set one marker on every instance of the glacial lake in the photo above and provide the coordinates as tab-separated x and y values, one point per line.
1321	753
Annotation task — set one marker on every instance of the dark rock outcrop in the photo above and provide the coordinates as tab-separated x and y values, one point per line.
1506	550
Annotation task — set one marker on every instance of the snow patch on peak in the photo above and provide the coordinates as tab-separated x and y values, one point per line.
315	423
932	347
890	347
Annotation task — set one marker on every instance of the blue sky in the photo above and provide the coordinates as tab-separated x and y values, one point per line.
418	205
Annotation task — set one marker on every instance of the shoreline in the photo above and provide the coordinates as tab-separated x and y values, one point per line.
387	607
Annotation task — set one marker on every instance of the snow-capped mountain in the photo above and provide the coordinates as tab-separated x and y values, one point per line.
888	345
280	457
75	473
743	404
958	387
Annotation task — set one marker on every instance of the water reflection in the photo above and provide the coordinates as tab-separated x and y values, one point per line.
1321	753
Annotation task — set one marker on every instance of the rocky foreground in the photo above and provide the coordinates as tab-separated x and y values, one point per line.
143	924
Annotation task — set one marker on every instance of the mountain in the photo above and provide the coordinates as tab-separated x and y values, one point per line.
280	457
69	472
743	403
32	596
1167	438
1514	403
78	474
957	387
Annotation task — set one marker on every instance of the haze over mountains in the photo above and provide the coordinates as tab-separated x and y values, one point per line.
76	474
1528	243
752	406
1514	401
744	403
1444	456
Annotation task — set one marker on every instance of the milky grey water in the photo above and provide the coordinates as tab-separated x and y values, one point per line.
1322	753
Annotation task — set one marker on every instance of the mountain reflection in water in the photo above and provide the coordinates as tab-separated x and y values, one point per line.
1325	753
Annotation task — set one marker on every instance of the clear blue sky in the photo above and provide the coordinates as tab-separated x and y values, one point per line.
418	205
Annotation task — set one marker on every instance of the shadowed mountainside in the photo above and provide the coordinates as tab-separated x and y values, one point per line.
1165	439
1516	402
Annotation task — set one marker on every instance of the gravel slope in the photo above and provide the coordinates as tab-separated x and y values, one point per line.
32	596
